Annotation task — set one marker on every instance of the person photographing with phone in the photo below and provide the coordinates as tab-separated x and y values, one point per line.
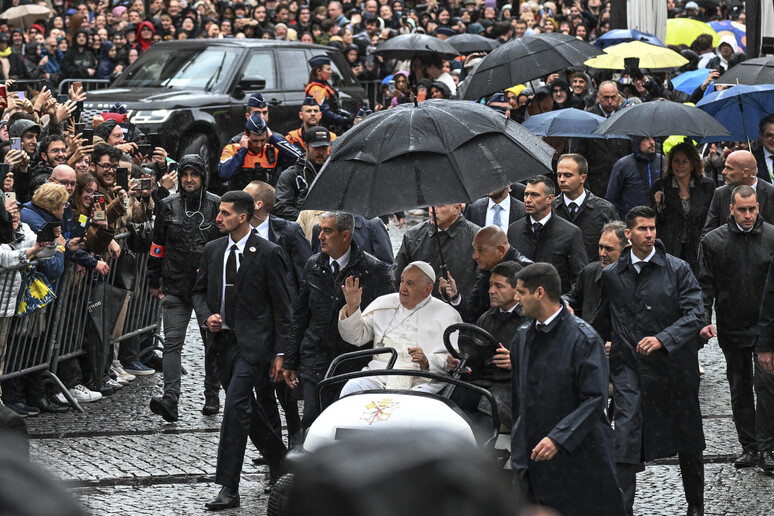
24	140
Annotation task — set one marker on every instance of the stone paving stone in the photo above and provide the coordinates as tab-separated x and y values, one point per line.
177	499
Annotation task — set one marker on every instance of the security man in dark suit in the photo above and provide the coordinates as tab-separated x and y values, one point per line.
741	169
543	237
498	208
490	248
371	235
290	237
580	206
242	298
764	155
585	298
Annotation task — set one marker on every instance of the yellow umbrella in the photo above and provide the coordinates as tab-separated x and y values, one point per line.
683	31
651	56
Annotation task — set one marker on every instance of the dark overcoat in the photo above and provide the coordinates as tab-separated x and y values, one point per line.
656	396
560	383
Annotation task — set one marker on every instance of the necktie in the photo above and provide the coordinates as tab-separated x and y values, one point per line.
771	170
335	268
573	209
536	227
497	220
230	288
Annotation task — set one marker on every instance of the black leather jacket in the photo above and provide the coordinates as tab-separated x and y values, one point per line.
184	224
315	339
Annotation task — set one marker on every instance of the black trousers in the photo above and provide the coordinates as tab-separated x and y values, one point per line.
329	395
288	403
242	415
739	372
691	471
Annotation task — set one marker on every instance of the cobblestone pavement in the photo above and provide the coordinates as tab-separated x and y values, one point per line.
118	457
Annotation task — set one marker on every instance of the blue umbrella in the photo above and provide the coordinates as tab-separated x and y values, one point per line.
738	30
566	123
687	82
614	37
739	109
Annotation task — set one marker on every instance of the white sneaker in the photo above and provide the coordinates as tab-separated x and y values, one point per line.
115	384
121	373
120	379
61	399
82	394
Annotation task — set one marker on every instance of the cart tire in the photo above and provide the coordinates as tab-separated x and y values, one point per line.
279	499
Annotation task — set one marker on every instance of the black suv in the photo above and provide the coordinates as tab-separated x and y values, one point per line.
193	93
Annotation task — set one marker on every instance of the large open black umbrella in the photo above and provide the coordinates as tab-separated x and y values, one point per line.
409	46
468	43
525	59
753	71
660	119
439	152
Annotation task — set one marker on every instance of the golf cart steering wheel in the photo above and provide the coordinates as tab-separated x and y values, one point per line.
476	344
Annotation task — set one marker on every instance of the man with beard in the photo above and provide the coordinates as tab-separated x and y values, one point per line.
633	176
53	152
498	208
184	224
293	183
252	159
310	116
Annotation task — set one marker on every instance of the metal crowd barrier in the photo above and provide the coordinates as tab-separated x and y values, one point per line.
374	93
39	341
88	84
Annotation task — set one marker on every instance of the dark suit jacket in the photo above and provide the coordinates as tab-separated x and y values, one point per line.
559	243
476	212
290	237
262	318
763	170
371	235
719	212
594	213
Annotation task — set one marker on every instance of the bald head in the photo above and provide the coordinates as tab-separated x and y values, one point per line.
489	247
741	168
64	175
492	236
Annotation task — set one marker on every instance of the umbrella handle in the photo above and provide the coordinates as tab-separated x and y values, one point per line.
444	269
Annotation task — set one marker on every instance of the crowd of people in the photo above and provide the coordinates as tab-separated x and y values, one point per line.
641	244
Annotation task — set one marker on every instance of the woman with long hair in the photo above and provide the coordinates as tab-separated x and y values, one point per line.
682	199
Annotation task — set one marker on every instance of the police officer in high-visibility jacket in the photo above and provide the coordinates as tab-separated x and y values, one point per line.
253	158
310	115
320	89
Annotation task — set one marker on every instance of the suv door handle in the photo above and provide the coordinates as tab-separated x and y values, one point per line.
275	102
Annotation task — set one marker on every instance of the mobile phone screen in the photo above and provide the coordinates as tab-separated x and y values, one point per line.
122	178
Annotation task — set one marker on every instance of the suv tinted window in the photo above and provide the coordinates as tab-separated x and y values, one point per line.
187	68
262	63
294	69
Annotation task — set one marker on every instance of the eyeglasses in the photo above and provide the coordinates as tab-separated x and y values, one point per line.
107	166
63	183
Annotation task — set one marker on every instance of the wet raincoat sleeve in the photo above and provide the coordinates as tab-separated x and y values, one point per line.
687	327
591	373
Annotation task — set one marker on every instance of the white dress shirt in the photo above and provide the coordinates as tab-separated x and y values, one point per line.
578	201
240	253
263	229
504	213
638	263
767	158
543	221
343	260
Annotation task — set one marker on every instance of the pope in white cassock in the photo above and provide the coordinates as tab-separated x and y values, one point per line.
411	321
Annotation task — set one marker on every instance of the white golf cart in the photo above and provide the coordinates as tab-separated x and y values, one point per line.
396	410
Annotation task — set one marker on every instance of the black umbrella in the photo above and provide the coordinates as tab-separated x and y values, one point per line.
751	72
439	152
469	43
525	59
409	46
662	118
